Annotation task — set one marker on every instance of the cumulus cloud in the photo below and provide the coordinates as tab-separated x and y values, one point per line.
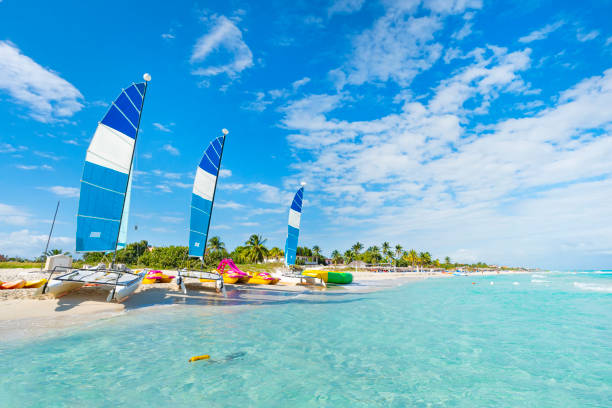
47	96
12	215
28	243
344	7
429	168
70	192
542	33
224	39
171	149
163	128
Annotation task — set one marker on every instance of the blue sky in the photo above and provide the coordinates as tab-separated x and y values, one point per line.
474	129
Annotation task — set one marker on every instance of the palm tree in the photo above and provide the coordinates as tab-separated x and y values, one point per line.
357	248
398	253
215	244
412	257
386	250
316	252
52	252
275	253
425	258
336	256
255	250
447	260
349	256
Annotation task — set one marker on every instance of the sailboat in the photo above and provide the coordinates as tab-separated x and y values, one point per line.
202	201
293	227
104	200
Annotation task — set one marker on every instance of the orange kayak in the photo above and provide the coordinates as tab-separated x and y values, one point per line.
13	285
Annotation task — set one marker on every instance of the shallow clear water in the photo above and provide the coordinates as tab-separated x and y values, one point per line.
534	340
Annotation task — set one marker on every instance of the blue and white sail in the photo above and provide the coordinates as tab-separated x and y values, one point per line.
203	196
293	233
106	175
123	228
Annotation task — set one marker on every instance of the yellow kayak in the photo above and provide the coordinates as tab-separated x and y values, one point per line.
226	279
35	284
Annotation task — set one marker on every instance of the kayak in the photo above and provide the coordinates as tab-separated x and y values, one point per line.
263	278
13	285
340	278
34	284
157	277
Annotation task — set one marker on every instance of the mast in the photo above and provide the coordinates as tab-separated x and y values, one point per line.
212	202
50	233
147	78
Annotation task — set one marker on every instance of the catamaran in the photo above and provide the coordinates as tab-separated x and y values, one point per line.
202	201
104	201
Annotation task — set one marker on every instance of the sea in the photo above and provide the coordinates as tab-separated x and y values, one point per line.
541	339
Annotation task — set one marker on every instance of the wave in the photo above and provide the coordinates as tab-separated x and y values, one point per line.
536	275
594	287
539	281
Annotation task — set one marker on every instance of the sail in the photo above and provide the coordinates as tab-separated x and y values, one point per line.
123	228
295	213
202	196
106	173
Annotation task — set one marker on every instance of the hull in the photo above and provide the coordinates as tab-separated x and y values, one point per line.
35	284
229	279
58	288
13	285
260	281
123	292
244	279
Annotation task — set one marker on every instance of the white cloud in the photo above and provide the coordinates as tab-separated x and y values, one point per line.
33	167
449	6
163	128
171	219
430	169
542	33
48	97
27	243
229	204
299	83
224	36
344	6
583	37
71	142
168	36
608	41
12	215
225	173
9	148
47	155
163	188
171	149
146	155
62	191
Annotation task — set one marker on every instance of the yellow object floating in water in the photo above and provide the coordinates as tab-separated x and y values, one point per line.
196	358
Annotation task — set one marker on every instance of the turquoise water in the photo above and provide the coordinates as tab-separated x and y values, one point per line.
537	340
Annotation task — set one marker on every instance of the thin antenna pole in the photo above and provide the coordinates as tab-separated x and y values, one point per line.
212	203
50	232
129	173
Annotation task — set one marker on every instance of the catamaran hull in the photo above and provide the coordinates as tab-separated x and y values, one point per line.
123	292
59	288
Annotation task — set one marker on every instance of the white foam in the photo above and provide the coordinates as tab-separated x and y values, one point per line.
536	275
539	281
515	283
594	287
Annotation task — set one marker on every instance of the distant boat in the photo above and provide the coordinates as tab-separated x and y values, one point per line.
293	227
104	201
202	201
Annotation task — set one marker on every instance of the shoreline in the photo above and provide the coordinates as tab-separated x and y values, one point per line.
27	315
